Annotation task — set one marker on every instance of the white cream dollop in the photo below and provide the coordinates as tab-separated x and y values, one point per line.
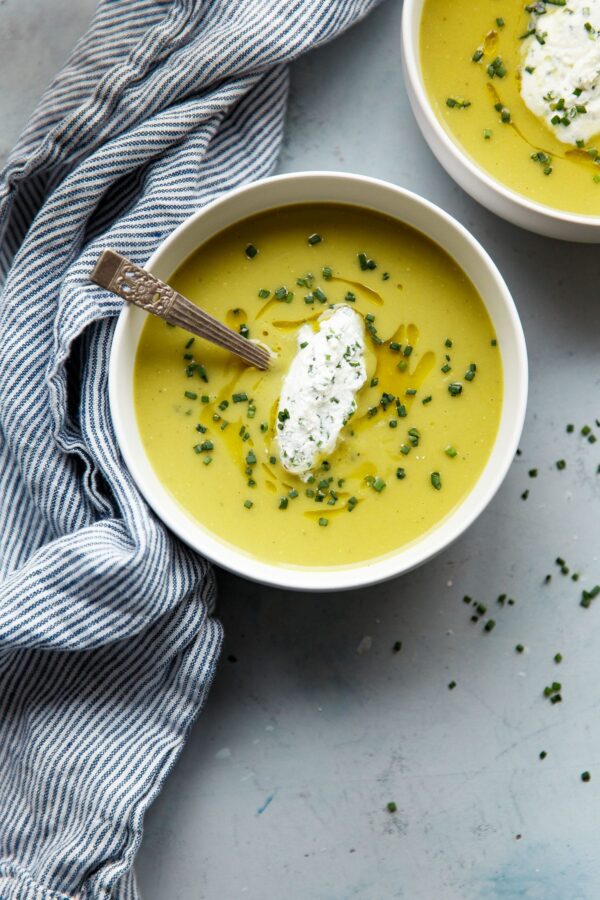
318	395
563	73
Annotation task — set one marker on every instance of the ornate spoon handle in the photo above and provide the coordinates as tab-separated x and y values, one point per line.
120	276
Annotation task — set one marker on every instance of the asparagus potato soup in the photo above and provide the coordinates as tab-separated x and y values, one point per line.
518	87
379	410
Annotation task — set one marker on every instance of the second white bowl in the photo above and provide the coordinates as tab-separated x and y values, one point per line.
471	177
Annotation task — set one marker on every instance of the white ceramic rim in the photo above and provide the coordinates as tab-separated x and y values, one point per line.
380	196
586	228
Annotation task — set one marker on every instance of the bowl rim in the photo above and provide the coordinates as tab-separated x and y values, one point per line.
411	17
306	578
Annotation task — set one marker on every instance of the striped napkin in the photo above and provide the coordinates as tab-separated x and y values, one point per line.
107	645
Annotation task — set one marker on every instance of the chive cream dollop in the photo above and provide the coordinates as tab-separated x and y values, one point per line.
561	69
318	395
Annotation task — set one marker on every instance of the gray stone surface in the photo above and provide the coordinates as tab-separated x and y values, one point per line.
281	791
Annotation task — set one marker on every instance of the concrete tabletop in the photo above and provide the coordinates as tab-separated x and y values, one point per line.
313	724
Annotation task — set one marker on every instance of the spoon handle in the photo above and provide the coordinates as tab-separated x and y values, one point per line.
122	277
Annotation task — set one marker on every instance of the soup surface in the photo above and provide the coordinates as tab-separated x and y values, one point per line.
518	87
426	416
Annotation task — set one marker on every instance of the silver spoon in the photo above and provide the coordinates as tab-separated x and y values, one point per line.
122	277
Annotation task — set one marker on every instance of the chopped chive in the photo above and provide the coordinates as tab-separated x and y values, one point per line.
450	451
407	350
244	331
525	494
561	464
533	473
543	754
410	392
248	504
283	503
251	251
320	295
223	405
393	423
585	776
519	648
327	273
489	625
391	807
558	658
394	345
400	473
477	55
190	395
190	343
374	382
397	647
426	400
205	398
264	293
324	522
314	239
436	481
455	389
445	369
452	685
207	460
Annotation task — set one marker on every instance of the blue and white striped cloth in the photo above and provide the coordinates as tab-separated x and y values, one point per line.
107	645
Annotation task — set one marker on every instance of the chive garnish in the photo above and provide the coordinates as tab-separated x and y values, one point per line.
585	776
457	102
394	345
251	251
207	460
264	293
314	239
324	522
452	685
489	625
436	481
519	648
205	398
190	395
248	504
391	807
244	331
561	464
543	754
400	473
327	273
533	473
283	503
450	451
410	392
477	55
447	342
190	343
525	495
239	398
374	382
558	658
393	423
455	388
487	134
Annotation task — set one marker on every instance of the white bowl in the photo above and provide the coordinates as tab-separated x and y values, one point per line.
491	193
384	198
